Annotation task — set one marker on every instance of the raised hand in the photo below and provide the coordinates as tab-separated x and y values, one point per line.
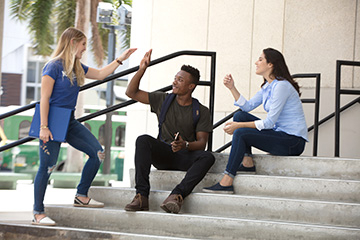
146	60
126	54
229	81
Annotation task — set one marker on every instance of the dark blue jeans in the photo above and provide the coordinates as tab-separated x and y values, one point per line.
151	151
273	142
80	138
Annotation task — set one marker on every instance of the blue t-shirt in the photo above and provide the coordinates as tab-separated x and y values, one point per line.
64	94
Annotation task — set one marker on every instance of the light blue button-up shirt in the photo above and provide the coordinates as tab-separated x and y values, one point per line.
283	106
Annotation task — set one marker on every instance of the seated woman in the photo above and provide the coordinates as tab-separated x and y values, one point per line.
283	132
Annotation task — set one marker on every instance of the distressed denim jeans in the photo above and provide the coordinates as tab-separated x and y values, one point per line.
83	140
268	140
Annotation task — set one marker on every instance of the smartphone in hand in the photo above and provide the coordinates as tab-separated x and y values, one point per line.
177	136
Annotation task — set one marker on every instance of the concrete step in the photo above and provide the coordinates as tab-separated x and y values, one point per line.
336	190
71	180
192	226
8	180
31	232
245	207
301	166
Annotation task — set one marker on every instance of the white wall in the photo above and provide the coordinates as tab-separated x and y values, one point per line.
311	34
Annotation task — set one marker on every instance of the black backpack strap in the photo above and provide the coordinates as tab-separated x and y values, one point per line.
166	104
164	108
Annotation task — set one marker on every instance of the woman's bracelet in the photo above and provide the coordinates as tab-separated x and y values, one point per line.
118	61
43	127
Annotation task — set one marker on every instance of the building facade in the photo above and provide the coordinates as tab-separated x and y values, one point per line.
312	35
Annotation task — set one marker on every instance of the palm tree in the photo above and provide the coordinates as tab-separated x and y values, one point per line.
45	16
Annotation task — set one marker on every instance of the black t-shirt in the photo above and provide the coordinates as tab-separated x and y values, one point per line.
179	119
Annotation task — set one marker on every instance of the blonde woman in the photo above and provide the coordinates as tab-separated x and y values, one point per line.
61	80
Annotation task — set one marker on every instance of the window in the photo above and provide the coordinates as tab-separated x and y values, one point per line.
120	136
30	94
31	72
33	80
102	135
24	128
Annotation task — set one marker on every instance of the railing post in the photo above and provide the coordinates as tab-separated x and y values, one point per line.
317	113
212	97
337	109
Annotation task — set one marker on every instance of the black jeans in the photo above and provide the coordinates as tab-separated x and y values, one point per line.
151	151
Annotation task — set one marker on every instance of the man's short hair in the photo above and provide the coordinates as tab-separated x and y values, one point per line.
194	72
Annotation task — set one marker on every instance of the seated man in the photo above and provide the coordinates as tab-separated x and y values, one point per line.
185	152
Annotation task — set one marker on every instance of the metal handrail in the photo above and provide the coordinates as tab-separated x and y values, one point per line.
315	100
210	83
338	92
330	116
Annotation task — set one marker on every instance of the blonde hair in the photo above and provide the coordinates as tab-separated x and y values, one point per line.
66	51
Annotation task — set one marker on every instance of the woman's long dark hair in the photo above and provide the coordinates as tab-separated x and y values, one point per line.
280	70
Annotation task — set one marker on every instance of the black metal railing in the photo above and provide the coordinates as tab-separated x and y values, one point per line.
338	92
210	83
315	100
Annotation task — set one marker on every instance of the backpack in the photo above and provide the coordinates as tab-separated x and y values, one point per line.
166	104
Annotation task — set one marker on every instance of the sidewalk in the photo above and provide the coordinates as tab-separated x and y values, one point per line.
16	205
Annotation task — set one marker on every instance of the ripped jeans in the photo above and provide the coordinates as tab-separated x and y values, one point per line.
80	138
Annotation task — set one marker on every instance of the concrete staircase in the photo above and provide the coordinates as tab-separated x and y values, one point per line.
288	198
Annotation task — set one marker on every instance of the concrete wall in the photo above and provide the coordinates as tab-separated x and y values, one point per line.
311	34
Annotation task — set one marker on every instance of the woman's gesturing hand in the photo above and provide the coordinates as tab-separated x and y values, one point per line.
229	81
126	54
230	127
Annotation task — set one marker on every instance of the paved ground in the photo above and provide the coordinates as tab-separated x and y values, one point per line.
16	205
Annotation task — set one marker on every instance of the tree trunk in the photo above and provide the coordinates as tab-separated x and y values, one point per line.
74	161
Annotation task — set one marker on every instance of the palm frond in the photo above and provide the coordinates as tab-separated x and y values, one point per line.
125	34
40	26
119	2
65	11
104	33
19	9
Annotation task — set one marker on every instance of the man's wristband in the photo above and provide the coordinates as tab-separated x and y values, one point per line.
186	145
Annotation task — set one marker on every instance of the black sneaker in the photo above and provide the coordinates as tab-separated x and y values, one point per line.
247	170
217	188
